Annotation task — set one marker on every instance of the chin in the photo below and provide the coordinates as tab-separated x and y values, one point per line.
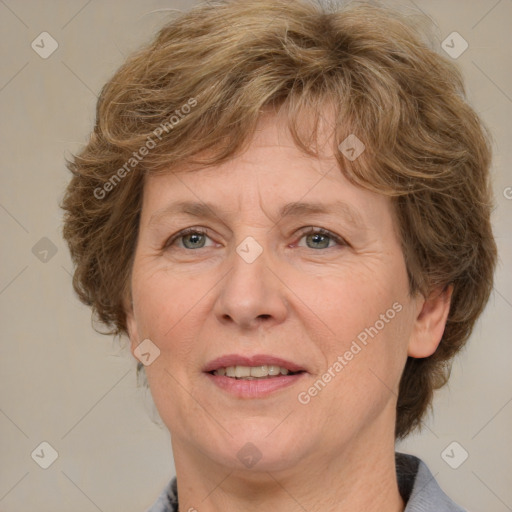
256	451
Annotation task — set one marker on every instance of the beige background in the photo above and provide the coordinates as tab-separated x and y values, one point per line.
63	383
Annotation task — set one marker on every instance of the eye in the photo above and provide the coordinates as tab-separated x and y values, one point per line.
318	236
192	238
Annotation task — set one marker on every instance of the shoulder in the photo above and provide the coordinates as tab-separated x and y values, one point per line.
419	488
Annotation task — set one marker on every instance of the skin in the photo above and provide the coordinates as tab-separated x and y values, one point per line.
304	299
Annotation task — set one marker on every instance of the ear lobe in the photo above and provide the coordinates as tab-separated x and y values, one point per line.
430	322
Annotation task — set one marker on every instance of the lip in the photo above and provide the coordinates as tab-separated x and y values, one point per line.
254	388
254	360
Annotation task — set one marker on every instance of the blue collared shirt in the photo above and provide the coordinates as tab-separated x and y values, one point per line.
418	488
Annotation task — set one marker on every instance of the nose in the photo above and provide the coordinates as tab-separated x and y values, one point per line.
251	293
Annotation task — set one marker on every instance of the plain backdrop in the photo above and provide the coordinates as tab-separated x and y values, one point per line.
64	384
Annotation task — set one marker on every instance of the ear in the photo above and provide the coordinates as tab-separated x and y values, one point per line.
430	322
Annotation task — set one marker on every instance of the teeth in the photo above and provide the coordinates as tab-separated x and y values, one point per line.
242	371
273	370
259	371
250	372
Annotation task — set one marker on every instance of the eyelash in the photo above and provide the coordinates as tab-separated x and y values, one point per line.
201	231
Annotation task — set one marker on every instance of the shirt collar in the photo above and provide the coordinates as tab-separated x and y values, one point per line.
419	488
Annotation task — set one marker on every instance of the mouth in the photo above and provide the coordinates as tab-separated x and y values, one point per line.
253	372
253	377
257	366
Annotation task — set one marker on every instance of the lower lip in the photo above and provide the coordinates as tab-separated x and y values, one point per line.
257	388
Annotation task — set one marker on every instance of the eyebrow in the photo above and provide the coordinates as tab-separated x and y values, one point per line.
294	209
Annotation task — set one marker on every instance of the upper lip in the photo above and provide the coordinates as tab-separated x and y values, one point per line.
254	360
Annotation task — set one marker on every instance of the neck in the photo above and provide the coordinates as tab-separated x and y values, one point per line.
360	477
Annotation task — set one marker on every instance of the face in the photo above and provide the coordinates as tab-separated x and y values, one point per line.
252	279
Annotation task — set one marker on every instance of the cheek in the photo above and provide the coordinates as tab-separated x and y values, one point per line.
164	312
165	309
369	319
364	302
162	302
362	373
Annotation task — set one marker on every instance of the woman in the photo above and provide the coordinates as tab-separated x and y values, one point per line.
286	209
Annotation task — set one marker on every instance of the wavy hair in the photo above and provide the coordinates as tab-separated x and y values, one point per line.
195	93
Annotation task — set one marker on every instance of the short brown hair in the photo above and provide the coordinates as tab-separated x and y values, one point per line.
199	89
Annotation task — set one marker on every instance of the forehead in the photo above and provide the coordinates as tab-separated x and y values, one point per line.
273	175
